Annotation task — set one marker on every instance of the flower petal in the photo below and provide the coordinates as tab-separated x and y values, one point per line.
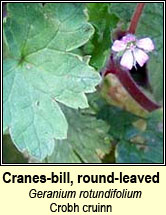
129	38
140	56
145	44
127	60
118	46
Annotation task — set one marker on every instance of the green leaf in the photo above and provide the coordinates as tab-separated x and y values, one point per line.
151	25
87	141
118	119
124	11
40	71
136	139
104	21
143	146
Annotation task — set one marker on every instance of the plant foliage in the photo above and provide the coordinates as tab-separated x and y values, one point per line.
52	56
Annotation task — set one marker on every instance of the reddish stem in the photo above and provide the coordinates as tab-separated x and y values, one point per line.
131	86
135	18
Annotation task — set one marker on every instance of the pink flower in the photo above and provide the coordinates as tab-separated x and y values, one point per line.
133	51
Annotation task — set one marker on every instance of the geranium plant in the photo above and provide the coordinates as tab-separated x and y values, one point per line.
82	83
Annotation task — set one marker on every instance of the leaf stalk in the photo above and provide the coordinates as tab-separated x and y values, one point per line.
135	18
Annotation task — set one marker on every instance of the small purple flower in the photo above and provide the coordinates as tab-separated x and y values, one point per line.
133	51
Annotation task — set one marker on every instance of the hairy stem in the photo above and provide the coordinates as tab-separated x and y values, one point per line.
135	18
